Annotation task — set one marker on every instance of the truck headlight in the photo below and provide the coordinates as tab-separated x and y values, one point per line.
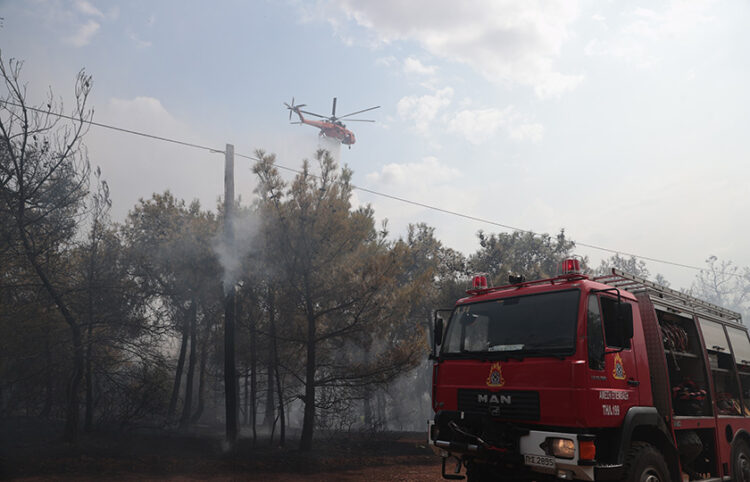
562	447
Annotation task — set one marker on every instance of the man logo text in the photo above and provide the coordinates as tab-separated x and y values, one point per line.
502	399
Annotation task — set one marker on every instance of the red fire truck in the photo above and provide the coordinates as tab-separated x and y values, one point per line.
610	378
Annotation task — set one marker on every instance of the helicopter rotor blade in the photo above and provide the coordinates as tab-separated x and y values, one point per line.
313	113
360	111
333	111
360	120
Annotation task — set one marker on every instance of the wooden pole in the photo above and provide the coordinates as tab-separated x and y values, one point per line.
230	377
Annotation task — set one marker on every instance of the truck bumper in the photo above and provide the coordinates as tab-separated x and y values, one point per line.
529	452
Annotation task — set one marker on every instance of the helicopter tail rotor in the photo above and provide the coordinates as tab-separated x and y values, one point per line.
293	108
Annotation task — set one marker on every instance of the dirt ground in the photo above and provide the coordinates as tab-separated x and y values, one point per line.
31	451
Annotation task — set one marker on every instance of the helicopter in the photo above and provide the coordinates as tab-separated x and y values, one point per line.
330	126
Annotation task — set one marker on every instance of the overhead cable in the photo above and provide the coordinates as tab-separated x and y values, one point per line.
363	189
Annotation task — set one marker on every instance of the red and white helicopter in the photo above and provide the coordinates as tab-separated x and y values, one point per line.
330	126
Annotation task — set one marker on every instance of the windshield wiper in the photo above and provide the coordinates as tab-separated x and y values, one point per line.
487	355
560	352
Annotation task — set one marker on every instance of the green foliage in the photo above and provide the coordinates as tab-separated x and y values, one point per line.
526	254
349	286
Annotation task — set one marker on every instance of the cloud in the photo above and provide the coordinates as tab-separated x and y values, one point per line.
88	9
388	61
429	181
424	109
114	13
430	171
480	125
135	167
505	40
140	43
641	30
84	34
414	66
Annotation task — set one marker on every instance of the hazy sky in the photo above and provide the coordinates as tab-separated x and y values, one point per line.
626	123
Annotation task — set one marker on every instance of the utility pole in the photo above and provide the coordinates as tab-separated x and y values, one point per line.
230	377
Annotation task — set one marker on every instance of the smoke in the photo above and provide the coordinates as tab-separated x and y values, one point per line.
243	244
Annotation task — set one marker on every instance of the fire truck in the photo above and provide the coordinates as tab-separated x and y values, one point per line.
578	378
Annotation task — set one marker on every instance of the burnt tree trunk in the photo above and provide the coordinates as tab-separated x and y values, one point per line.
369	422
230	371
88	423
368	408
282	415
48	380
279	389
268	419
308	421
70	432
253	377
178	372
202	377
71	419
89	410
382	422
187	407
246	405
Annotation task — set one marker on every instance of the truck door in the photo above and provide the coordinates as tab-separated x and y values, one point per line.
612	367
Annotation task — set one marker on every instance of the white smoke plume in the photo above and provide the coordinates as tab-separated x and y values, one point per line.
233	253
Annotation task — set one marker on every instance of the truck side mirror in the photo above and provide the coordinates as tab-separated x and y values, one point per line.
438	327
625	319
438	331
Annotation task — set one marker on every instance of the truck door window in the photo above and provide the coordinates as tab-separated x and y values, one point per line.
741	349
594	334
713	336
722	368
612	330
691	394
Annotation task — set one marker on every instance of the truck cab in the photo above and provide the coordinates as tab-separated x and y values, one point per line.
569	378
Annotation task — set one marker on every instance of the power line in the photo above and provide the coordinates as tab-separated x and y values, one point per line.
363	189
493	223
115	128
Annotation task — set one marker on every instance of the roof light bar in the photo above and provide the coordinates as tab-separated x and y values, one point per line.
570	266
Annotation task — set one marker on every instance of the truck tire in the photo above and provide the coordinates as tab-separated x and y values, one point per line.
645	464
741	462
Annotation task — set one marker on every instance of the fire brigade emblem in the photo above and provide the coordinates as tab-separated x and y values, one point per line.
619	371
495	379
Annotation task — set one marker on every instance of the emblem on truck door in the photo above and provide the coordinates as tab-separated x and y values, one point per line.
619	371
495	379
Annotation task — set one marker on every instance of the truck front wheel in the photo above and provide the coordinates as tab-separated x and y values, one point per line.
645	464
741	462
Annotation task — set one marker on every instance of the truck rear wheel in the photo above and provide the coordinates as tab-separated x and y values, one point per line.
741	462
645	464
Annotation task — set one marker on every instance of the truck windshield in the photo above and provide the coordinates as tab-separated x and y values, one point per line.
533	325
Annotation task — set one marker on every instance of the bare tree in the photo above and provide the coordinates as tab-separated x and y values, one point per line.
724	283
44	178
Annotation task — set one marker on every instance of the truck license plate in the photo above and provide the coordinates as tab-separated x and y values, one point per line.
539	460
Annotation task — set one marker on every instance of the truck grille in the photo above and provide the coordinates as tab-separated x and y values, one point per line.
508	404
